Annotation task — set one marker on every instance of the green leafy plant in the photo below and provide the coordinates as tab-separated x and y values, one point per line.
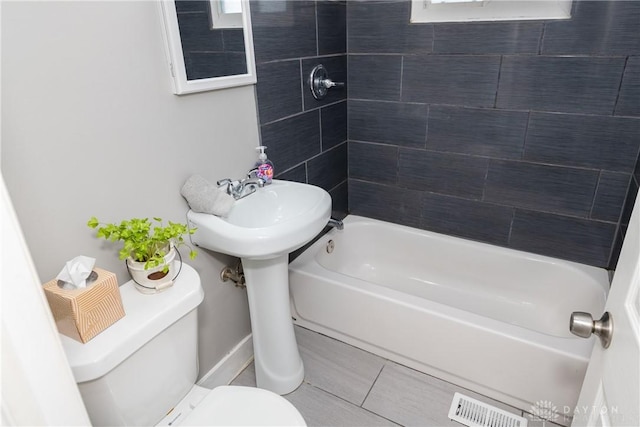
142	240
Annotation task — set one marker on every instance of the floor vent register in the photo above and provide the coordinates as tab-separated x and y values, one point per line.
474	413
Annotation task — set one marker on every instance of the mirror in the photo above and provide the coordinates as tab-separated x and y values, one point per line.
209	44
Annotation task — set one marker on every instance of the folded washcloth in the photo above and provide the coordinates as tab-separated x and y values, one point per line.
205	197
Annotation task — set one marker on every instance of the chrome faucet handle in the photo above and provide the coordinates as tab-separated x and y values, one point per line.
328	83
245	187
320	83
231	185
252	180
252	173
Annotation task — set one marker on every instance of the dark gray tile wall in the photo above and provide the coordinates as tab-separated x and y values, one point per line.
332	27
522	134
283	29
293	140
597	28
375	77
477	220
569	84
630	90
306	138
444	173
388	122
556	235
375	162
541	187
385	202
496	133
610	196
488	38
333	122
468	80
597	142
391	34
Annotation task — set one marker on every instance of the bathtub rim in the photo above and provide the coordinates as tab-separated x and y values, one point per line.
599	275
306	263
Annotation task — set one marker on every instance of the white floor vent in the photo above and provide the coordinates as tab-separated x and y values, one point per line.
474	413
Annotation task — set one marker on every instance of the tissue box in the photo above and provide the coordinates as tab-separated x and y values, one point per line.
83	313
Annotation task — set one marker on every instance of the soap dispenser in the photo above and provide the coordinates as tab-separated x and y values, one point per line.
264	166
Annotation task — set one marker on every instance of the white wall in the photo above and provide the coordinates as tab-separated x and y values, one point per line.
90	127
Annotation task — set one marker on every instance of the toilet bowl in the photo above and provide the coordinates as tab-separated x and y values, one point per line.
242	406
141	370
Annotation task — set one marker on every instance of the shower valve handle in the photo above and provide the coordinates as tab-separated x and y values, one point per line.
328	83
320	83
583	325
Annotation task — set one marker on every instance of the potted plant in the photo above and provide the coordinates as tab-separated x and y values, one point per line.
149	249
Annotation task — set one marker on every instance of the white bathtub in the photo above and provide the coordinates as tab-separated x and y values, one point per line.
487	318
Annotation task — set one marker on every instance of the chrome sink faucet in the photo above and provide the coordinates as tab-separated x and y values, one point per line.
240	189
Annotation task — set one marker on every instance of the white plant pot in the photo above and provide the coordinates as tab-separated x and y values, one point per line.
152	281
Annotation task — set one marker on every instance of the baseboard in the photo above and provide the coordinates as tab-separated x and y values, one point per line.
230	366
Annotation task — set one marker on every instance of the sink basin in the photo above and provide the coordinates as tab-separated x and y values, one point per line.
262	229
275	220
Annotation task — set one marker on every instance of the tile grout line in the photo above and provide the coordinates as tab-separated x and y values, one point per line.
348	402
300	113
495	99
541	39
320	129
513	218
374	383
301	93
315	7
524	138
615	103
595	194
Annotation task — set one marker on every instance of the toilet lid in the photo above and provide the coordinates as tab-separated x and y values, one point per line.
246	406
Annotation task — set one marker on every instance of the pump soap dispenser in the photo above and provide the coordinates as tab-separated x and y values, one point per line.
264	166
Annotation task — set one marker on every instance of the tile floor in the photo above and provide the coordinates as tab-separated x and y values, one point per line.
346	386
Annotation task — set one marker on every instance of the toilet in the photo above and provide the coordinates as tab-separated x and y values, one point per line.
141	371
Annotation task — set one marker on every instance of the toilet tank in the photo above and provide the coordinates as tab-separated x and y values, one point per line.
135	371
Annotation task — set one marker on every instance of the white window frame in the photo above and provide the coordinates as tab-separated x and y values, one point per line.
423	11
220	19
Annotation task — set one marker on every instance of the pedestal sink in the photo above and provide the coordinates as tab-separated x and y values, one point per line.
262	229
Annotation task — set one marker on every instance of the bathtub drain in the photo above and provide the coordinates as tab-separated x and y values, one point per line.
472	412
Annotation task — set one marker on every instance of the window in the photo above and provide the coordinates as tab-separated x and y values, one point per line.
488	10
226	14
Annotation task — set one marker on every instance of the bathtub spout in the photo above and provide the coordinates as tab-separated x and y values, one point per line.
336	223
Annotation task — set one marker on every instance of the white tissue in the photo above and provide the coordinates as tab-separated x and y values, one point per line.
76	271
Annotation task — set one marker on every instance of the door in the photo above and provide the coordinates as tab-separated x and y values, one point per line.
38	387
610	393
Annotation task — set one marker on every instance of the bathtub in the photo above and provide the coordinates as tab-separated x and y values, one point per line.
486	318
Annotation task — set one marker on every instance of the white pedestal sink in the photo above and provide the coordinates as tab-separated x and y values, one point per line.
262	229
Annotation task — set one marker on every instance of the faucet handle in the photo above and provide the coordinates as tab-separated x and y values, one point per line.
253	172
226	182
